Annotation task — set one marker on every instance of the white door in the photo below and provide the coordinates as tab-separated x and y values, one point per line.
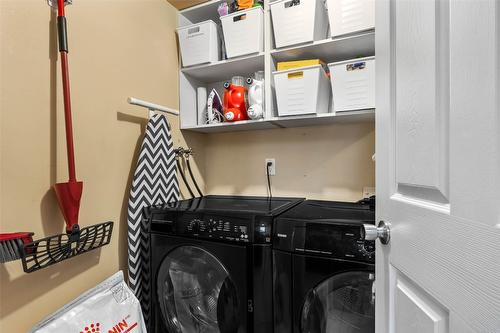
438	165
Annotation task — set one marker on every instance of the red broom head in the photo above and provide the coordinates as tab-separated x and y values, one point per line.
69	195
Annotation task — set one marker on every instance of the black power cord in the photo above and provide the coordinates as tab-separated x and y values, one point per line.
268	165
192	176
179	167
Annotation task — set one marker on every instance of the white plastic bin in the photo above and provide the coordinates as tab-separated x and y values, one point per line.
298	21
303	90
350	16
243	32
353	84
199	43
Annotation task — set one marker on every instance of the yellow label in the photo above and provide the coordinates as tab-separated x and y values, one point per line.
284	65
296	75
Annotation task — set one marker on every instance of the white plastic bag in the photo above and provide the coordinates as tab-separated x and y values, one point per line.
110	307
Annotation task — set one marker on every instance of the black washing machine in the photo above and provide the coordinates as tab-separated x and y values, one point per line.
211	260
323	271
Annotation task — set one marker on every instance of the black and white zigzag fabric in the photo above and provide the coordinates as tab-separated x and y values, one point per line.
155	182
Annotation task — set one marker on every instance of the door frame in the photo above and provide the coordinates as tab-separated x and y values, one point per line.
383	128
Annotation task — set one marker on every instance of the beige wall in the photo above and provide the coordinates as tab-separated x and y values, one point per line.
325	162
118	48
121	48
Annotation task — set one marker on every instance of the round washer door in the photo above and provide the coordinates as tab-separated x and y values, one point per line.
342	303
196	293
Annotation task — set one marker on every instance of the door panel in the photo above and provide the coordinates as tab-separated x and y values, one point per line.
475	103
422	98
438	165
414	310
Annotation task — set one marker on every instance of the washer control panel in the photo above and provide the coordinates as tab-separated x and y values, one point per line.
336	240
228	228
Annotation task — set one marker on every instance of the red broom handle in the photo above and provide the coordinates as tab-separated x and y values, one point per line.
60	7
63	50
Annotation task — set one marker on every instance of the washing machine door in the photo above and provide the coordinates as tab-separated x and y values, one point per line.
196	293
343	303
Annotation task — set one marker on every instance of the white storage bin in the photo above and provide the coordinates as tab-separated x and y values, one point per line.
243	32
353	84
298	21
303	90
199	43
349	16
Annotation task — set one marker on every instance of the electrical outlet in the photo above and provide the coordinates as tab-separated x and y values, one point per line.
368	191
272	168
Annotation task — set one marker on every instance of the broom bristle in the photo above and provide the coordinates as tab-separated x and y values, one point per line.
11	250
12	245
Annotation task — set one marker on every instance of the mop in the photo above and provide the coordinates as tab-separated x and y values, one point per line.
50	250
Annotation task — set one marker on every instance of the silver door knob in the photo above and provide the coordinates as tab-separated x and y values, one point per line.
372	232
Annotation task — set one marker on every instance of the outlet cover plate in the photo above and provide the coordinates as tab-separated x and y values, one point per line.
272	168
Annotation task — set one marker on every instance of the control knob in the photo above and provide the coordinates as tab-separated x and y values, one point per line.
195	226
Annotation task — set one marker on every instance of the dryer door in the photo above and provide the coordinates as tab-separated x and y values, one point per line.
342	303
196	293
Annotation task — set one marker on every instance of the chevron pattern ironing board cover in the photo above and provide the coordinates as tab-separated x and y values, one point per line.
155	182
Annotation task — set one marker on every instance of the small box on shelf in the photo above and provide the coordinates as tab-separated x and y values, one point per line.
349	17
302	91
353	84
199	43
243	32
298	21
